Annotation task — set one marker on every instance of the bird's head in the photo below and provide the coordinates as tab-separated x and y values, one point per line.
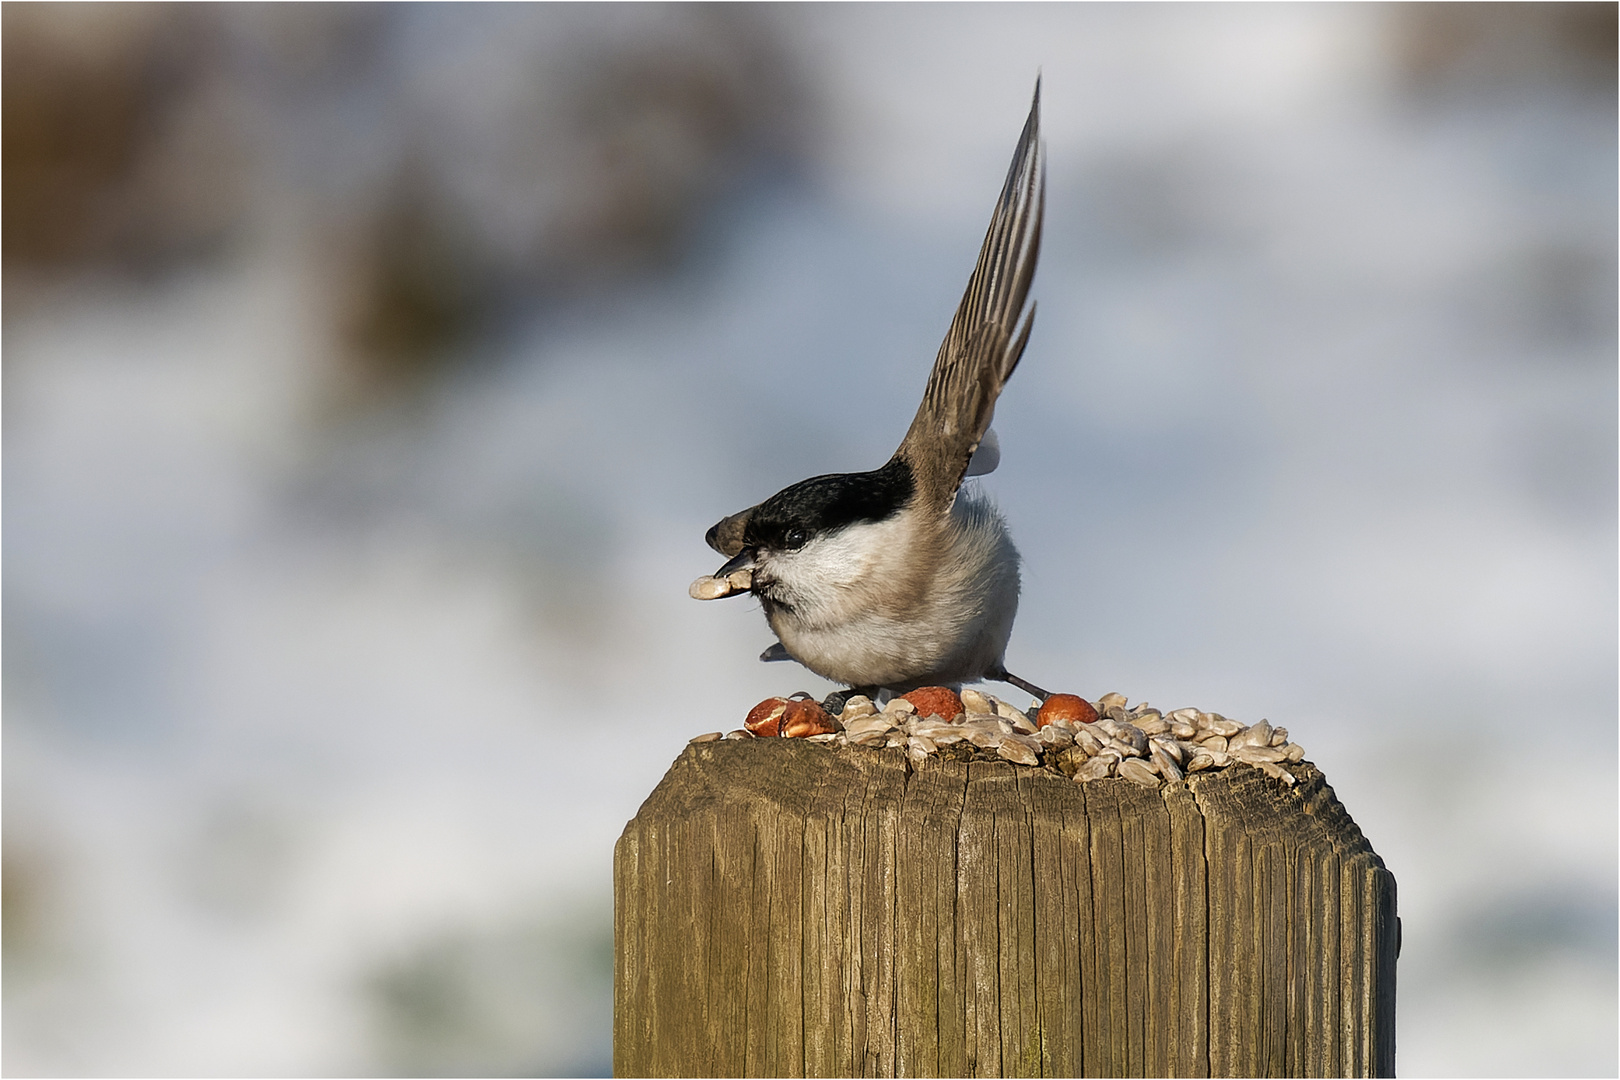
805	538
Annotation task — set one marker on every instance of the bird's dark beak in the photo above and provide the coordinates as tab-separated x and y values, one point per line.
743	560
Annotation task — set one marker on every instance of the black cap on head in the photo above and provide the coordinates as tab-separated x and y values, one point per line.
824	504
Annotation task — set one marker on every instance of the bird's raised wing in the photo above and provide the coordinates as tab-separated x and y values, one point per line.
984	342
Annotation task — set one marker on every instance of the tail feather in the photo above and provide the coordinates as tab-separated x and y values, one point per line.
985	341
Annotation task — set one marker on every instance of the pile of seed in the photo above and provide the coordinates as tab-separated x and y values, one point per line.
1139	744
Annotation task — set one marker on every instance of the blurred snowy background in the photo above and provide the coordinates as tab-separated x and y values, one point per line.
372	374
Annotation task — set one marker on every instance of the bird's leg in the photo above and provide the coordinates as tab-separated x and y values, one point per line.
834	703
1006	676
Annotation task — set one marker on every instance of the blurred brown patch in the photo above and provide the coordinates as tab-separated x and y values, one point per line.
139	138
660	133
1474	46
116	155
25	892
611	157
414	287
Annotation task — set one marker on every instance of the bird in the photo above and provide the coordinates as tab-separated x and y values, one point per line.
900	578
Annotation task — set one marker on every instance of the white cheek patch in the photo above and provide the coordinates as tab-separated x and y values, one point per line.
835	562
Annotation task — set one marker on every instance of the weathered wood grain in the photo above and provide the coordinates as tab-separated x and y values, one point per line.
788	909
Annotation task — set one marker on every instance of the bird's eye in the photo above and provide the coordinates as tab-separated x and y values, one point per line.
795	539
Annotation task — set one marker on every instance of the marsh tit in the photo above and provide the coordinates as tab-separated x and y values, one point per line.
897	578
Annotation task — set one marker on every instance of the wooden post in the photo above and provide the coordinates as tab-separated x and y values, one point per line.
790	909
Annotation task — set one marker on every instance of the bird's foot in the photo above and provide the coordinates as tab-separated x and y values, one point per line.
834	702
